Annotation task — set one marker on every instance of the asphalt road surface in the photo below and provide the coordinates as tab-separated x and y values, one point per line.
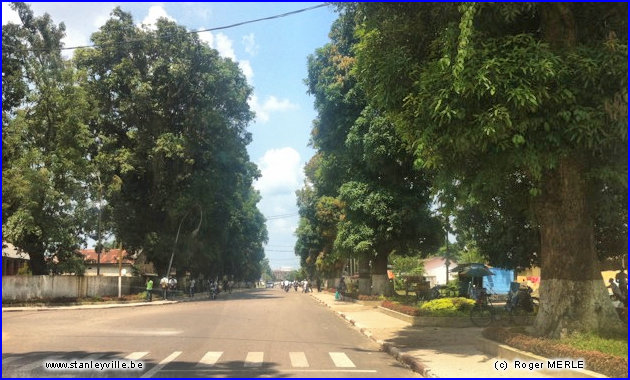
254	333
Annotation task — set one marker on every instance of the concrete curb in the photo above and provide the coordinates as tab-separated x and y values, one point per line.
108	305
510	353
413	363
86	307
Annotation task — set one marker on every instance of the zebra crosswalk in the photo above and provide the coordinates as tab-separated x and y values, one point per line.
175	361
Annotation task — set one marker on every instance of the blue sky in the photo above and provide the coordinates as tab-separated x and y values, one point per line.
273	56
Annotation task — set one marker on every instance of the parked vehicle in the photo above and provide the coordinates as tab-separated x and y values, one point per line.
520	303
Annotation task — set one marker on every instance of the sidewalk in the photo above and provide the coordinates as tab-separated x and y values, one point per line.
101	305
89	306
430	351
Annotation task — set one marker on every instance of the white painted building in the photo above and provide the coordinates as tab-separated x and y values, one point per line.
435	271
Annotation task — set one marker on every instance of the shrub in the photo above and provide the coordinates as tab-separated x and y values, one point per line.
447	306
609	365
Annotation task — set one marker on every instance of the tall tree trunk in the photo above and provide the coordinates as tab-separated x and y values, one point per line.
365	283
572	294
380	282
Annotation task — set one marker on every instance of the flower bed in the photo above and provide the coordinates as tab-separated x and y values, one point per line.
363	297
609	365
405	309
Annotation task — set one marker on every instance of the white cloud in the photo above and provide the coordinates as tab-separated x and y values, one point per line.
206	37
282	226
249	41
9	15
272	104
73	38
281	171
246	67
224	46
156	12
100	20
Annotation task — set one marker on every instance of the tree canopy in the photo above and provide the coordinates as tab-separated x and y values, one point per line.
162	134
364	197
521	112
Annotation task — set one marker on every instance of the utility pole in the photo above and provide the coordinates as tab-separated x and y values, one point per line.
99	247
120	257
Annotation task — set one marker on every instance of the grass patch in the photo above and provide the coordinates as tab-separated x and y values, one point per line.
597	357
612	345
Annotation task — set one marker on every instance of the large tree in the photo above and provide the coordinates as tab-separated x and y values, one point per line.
45	171
171	118
522	94
372	201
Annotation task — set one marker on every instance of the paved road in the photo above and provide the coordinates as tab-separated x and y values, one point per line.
256	333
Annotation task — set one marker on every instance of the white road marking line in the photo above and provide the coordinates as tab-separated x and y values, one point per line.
332	370
161	365
254	359
341	360
136	355
298	359
209	359
284	370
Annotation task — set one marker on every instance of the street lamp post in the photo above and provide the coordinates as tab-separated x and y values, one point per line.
194	233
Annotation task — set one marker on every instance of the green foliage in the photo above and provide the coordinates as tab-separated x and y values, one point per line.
407	265
24	270
45	140
169	144
501	100
444	307
362	168
162	134
617	346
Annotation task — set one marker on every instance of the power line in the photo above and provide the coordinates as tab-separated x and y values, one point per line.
202	30
282	216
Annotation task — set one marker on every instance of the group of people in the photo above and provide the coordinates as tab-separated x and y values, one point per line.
305	284
170	285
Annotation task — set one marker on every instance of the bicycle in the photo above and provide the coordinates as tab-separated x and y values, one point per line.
482	313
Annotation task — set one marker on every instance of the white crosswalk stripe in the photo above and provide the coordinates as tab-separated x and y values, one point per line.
254	359
298	359
136	355
207	362
209	359
162	364
341	360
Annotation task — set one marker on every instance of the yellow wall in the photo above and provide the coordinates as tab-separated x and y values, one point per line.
535	272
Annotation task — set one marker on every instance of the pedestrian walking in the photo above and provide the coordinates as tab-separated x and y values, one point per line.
341	289
164	286
192	288
150	290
